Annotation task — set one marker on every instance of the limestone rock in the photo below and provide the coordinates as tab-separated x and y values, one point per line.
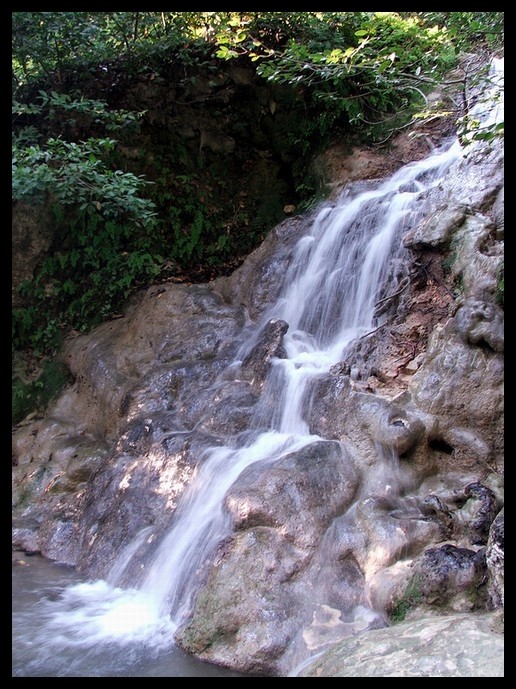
495	561
457	645
437	229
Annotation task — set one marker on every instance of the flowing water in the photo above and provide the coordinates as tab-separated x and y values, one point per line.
337	274
52	633
330	292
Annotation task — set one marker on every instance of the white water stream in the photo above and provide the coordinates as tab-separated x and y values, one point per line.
328	300
334	281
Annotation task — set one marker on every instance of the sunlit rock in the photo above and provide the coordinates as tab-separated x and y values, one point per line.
495	557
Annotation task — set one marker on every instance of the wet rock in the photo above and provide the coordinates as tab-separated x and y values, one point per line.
436	231
478	513
254	600
450	576
47	492
164	327
256	364
465	509
207	328
498	212
331	398
479	177
299	493
25	536
257	283
165	387
433	509
30	442
459	390
386	587
495	561
267	603
60	539
330	537
367	420
393	529
396	430
225	409
95	397
138	489
477	258
239	621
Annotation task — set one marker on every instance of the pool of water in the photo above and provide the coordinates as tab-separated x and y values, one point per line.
41	649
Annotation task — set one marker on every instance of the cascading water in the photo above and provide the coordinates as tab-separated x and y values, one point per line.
336	276
328	300
330	292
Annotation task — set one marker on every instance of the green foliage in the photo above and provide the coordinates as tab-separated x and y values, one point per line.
364	74
458	285
46	44
73	172
447	263
84	282
363	68
470	129
371	70
78	174
21	400
104	228
197	228
472	31
468	29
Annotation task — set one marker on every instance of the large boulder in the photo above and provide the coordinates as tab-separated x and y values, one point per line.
254	603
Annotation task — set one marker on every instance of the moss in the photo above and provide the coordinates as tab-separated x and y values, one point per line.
21	400
477	596
31	485
410	599
31	396
458	285
400	611
500	287
447	263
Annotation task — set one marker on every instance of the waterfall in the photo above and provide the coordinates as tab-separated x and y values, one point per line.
334	281
336	276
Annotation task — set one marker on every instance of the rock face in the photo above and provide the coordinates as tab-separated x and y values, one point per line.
449	646
393	508
495	561
264	572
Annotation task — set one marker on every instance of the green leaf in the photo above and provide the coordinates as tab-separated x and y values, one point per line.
384	65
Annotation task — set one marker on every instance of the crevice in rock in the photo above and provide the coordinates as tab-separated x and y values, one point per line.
440	445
